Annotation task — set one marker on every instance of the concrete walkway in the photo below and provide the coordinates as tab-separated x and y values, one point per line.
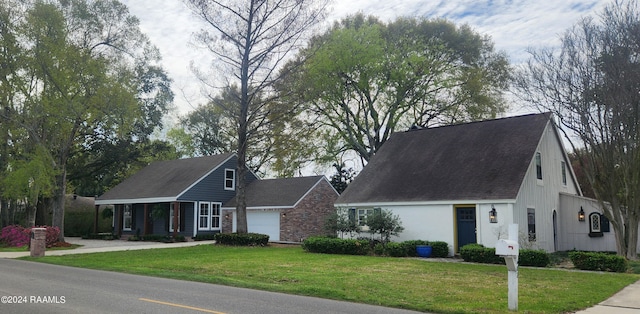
627	301
95	246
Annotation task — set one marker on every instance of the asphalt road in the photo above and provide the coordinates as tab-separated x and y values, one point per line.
41	288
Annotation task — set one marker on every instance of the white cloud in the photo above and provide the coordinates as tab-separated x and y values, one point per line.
514	25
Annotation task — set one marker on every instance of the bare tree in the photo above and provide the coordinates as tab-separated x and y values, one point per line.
592	86
249	41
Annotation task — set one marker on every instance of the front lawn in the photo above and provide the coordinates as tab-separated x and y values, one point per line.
440	287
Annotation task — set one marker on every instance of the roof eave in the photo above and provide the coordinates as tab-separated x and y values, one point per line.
418	203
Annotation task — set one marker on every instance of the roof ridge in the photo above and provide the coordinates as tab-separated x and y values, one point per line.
474	122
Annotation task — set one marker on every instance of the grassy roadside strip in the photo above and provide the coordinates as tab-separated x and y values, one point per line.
414	284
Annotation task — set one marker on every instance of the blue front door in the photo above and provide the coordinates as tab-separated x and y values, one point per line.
466	221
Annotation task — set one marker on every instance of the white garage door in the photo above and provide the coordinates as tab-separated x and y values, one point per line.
265	223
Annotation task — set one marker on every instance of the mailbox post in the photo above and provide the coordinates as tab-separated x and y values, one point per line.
510	250
38	242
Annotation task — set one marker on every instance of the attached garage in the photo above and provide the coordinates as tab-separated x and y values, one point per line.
287	210
265	222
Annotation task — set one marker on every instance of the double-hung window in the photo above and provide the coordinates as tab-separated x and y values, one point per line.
538	166
362	216
209	216
205	213
229	179
215	216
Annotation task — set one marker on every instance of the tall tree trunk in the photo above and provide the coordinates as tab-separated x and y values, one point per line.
4	212
31	216
42	217
58	202
632	245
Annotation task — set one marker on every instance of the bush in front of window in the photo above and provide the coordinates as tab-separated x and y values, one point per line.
599	261
204	237
242	239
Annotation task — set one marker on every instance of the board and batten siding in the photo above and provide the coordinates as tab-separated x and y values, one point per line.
575	234
543	195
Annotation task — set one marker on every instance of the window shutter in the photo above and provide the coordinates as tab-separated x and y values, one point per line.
604	224
352	215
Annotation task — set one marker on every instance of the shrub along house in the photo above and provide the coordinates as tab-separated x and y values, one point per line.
466	183
186	197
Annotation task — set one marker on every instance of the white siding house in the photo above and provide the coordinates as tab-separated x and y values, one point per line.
445	183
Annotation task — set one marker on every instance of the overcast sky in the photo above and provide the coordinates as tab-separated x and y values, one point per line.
514	25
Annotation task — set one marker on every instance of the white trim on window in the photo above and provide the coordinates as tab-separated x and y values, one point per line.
230	179
595	224
538	169
209	216
204	215
127	217
215	216
171	208
563	172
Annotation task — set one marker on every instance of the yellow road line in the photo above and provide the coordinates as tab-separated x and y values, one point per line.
181	306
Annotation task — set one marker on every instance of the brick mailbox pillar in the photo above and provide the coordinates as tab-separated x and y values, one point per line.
38	242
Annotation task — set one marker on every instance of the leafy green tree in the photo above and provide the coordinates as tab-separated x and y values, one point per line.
591	85
339	222
343	176
249	41
365	79
385	223
89	77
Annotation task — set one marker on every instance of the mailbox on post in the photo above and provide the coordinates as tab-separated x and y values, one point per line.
506	248
510	250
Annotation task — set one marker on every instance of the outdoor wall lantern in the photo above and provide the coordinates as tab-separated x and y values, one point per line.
581	214
493	215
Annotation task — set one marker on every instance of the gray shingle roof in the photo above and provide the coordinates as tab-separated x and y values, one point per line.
277	192
472	161
164	178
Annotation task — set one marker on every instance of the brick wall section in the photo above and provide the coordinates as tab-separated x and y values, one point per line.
308	218
227	221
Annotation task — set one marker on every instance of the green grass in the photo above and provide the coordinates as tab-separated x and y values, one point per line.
439	287
26	248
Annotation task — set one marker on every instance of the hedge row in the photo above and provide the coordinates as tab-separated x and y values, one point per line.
242	239
477	253
329	245
158	238
598	261
205	237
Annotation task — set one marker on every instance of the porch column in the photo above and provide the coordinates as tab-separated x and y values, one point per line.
176	225
95	219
